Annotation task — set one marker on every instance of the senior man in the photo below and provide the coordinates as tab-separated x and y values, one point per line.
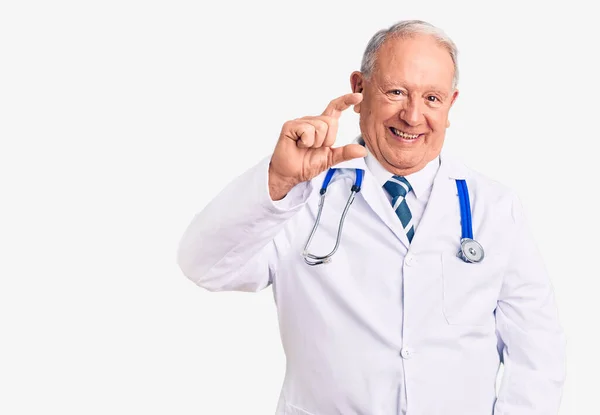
412	314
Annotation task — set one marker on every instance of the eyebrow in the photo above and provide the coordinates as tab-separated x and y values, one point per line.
387	83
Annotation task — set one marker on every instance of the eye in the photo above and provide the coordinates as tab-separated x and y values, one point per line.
396	92
432	98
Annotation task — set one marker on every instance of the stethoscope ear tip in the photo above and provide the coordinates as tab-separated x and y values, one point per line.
312	262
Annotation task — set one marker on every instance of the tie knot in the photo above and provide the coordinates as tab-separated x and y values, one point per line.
397	186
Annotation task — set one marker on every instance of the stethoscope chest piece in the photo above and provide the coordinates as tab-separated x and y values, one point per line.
470	250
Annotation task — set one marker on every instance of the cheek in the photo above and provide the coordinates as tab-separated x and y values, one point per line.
437	120
386	113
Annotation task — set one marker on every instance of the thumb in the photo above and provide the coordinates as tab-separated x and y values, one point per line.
347	152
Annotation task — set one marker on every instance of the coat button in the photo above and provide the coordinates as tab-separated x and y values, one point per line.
406	353
409	259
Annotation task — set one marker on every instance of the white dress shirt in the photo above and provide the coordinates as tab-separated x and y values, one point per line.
421	182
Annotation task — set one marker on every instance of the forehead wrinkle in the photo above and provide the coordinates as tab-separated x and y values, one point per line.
397	59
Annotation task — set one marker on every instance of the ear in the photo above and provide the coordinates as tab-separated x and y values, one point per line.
453	99
454	96
357	85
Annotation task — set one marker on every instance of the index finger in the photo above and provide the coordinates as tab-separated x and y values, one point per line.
335	107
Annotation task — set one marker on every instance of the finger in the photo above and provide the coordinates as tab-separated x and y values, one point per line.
322	125
347	152
298	131
335	107
303	133
331	131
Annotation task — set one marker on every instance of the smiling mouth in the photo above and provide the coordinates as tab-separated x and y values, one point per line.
404	135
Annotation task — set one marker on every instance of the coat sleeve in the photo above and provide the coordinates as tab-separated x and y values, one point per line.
229	245
530	336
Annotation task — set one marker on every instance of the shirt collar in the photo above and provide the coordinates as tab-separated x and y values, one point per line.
420	181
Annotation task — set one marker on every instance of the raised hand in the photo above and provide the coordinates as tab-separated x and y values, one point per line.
304	148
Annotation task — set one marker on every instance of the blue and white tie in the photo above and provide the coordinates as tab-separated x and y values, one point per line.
398	187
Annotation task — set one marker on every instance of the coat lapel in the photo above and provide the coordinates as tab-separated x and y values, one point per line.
443	202
375	198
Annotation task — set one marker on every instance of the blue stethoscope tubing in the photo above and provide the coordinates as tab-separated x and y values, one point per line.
470	251
465	209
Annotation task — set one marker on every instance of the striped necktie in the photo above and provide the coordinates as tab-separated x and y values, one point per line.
398	187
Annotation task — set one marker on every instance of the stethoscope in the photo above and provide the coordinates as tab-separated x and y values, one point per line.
470	251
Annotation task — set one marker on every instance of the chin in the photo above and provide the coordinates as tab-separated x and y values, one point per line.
402	160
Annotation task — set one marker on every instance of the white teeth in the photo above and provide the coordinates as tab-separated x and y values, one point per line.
404	135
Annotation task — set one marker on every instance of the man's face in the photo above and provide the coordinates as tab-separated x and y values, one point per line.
406	100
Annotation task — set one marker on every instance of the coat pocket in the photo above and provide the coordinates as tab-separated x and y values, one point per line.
471	290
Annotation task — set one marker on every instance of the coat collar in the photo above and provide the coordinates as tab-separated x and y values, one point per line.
443	200
443	206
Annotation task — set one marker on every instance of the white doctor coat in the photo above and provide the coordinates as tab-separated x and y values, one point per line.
390	328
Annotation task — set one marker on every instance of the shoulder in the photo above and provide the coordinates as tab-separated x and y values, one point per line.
481	186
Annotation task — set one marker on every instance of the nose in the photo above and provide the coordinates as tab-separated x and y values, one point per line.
412	113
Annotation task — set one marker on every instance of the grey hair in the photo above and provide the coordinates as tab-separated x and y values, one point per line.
407	28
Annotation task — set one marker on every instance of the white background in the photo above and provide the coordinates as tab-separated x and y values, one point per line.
120	119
